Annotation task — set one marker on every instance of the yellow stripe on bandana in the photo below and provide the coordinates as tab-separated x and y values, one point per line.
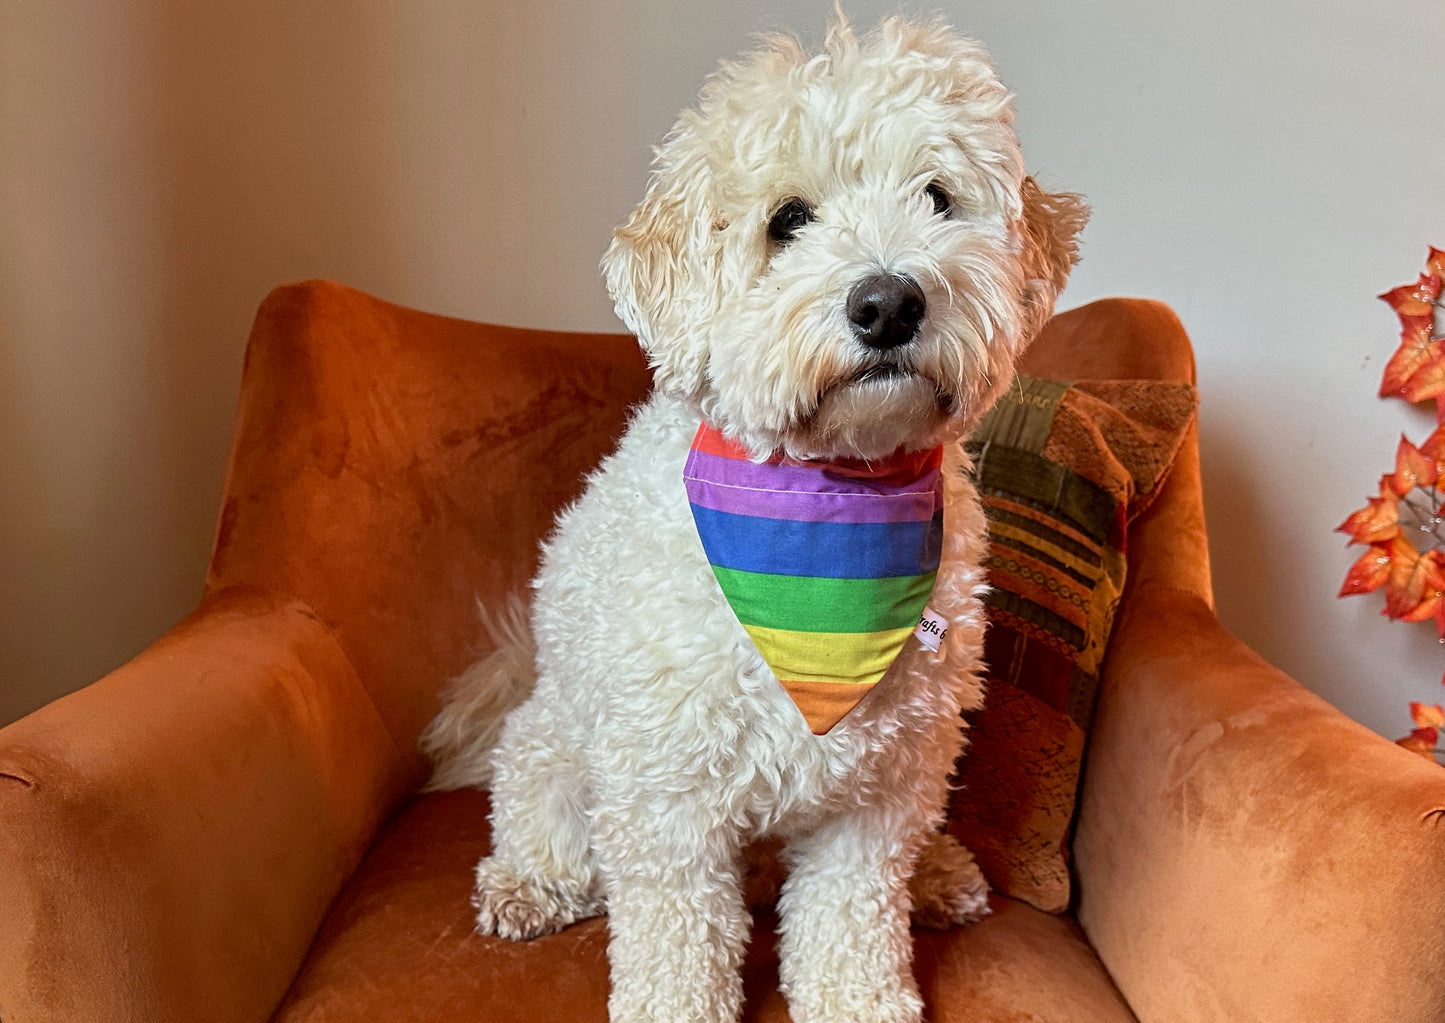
847	658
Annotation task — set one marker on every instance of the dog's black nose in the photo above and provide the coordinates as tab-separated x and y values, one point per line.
885	310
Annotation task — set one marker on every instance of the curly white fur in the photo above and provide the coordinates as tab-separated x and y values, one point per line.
657	744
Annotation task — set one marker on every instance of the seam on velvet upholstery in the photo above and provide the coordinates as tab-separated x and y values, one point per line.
284	599
1148	587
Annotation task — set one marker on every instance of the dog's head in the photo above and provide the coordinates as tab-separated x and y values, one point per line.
840	254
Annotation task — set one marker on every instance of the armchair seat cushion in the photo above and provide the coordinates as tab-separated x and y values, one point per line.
398	944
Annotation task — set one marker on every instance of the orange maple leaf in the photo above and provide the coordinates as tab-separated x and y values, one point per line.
1413	468
1421	741
1429	606
1416	299
1427	715
1369	573
1434	446
1412	579
1435	262
1379	520
1428	719
1418	352
1429	380
1416	371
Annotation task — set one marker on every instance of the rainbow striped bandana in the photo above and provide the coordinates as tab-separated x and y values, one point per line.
827	565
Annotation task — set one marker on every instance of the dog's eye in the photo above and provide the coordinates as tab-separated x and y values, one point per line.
792	217
942	204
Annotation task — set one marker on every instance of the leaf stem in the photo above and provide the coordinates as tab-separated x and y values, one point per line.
1426	521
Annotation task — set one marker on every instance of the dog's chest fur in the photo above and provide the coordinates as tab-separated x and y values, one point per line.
639	651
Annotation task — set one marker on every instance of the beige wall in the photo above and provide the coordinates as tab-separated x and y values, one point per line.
1261	164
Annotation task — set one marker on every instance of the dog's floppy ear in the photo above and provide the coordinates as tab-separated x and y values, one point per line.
662	266
1051	225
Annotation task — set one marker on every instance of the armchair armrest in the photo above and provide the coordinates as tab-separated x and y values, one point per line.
1245	851
171	835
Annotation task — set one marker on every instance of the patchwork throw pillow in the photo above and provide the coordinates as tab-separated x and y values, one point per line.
1062	469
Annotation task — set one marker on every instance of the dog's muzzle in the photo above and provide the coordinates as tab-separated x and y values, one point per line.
885	310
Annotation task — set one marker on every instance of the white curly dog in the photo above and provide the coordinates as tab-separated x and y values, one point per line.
655	743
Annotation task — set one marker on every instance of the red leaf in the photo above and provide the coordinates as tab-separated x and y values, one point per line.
1435	262
1411	578
1369	573
1416	299
1429	607
1434	446
1379	520
1413	468
1417	350
1429	380
1427	715
1421	741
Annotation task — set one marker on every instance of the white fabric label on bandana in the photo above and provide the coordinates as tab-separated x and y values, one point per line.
932	627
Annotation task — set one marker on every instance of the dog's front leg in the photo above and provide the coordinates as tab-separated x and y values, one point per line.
846	953
677	919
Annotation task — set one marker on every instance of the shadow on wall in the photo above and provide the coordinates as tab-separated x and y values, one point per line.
165	167
1260	573
21	607
1239	546
278	163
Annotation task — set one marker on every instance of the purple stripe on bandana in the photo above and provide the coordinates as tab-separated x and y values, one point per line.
746	488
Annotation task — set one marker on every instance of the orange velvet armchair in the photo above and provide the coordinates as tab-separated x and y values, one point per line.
227	828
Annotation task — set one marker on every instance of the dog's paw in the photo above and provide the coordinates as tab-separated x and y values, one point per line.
855	1004
519	908
947	887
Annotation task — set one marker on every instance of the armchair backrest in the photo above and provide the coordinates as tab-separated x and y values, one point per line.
390	468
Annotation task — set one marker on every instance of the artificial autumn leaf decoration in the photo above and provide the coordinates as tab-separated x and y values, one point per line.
1402	526
1428	721
1415	368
